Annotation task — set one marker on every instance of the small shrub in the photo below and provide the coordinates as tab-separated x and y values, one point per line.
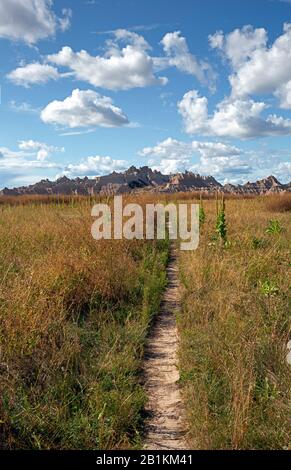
269	288
274	227
258	243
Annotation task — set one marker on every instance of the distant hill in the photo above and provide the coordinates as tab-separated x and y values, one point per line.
144	179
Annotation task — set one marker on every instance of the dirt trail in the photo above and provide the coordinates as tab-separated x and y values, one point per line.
164	426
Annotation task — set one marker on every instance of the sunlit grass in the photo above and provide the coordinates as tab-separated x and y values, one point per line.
234	328
74	315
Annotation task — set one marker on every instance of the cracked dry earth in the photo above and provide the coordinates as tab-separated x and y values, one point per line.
165	428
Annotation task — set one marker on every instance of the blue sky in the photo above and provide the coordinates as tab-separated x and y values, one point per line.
89	87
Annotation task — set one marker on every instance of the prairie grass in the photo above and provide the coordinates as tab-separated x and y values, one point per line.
234	327
279	203
37	199
74	315
144	196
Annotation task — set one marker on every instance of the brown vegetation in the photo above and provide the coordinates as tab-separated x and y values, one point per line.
74	315
279	203
234	326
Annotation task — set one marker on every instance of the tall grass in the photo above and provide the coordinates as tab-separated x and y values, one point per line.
74	314
71	200
279	203
234	327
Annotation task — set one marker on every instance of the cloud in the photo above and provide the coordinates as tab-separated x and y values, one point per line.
225	162
176	149
30	20
171	149
239	45
236	118
24	165
7	154
216	158
14	160
23	107
226	169
43	150
126	63
95	166
283	170
179	56
29	151
170	166
169	156
77	132
18	166
32	74
84	109
256	67
215	149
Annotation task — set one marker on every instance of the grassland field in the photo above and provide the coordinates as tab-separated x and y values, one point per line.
75	314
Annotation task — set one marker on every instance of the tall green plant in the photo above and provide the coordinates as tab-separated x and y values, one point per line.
274	227
202	215
221	225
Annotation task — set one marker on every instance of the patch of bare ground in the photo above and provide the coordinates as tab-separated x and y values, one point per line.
165	426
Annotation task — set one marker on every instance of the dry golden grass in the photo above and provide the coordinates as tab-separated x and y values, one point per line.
37	199
72	200
279	203
234	328
74	315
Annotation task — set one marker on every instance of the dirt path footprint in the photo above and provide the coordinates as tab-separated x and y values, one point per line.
165	426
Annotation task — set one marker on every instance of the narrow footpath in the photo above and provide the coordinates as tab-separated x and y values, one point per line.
165	428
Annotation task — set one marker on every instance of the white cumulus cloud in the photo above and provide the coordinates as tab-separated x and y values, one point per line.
84	109
215	158
43	151
170	148
178	55
238	118
240	44
19	166
95	166
225	162
32	74
257	67
30	20
169	156
126	63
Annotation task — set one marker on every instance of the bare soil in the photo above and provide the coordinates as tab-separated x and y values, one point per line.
165	427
